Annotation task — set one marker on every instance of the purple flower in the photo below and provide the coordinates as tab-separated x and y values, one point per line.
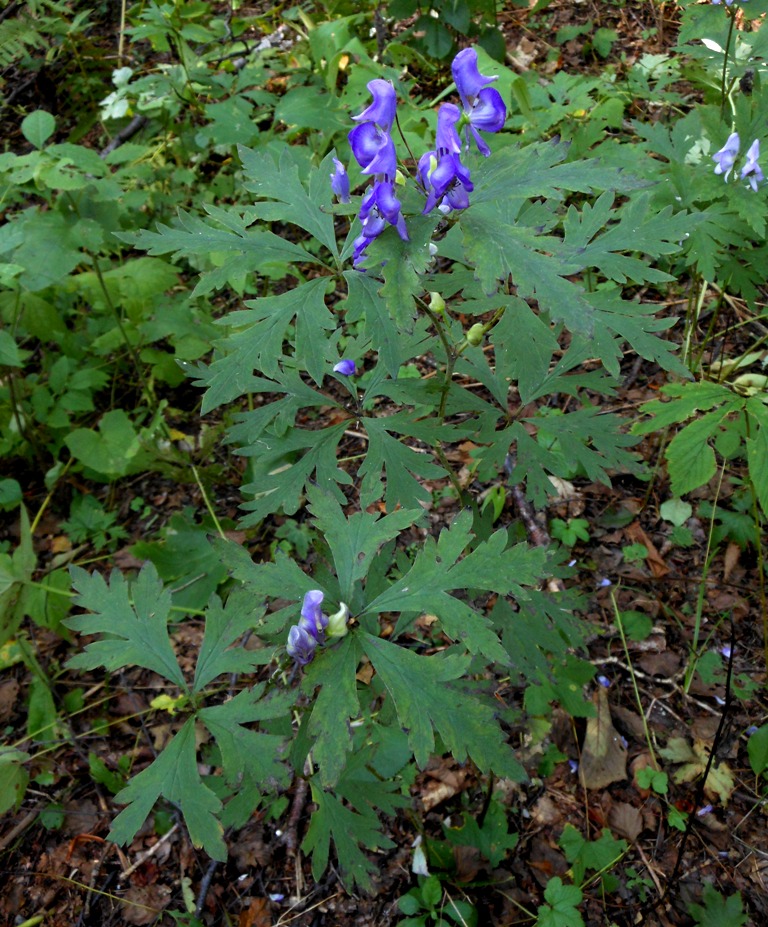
483	106
752	167
301	645
604	681
346	368
379	206
382	110
373	149
444	178
340	182
727	155
704	810
312	620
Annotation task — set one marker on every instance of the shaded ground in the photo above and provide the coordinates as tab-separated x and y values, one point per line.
70	875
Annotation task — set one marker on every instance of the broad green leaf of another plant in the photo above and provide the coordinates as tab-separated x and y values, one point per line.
560	909
348	829
718	911
427	700
13	777
173	775
134	617
757	449
757	748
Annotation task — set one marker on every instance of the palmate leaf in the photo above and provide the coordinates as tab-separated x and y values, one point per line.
250	759
426	700
335	704
245	249
354	540
513	249
280	481
349	830
594	239
135	618
257	338
173	775
437	569
389	456
225	624
276	177
537	170
365	304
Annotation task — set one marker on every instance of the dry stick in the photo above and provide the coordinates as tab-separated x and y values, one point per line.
127	132
537	534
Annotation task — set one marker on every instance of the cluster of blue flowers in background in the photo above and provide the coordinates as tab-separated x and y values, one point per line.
725	160
313	627
443	177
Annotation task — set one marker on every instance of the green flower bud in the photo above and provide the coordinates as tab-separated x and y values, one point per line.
436	302
475	334
337	624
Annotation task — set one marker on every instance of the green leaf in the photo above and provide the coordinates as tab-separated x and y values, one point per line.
277	179
354	540
348	829
174	776
10	355
690	457
390	464
135	620
333	707
250	759
38	127
757	748
493	839
560	910
286	466
257	340
224	624
718	911
757	449
13	777
437	569
244	249
115	450
426	700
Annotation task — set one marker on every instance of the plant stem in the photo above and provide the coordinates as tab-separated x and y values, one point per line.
732	15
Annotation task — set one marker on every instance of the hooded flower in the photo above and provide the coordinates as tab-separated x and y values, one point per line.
726	157
301	645
346	368
382	110
340	182
752	169
313	621
483	106
444	178
374	151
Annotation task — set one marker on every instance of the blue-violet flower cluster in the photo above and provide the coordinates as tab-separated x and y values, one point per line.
313	626
374	151
725	160
445	179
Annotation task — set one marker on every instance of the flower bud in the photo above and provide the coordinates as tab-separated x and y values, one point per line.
436	302
337	623
475	334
